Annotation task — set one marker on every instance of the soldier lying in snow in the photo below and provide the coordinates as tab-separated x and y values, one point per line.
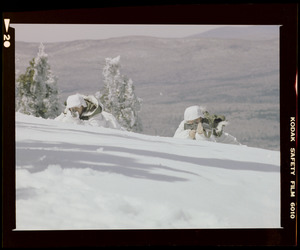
198	124
82	109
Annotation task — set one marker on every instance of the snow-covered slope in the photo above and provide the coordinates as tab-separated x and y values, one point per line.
81	177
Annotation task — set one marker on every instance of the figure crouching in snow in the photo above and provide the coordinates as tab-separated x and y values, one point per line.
198	124
81	109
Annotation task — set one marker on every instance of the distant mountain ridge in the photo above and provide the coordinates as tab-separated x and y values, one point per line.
255	32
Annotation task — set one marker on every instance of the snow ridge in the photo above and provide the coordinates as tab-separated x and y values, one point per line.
82	177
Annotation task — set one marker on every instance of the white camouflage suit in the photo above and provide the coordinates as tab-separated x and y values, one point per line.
93	113
194	112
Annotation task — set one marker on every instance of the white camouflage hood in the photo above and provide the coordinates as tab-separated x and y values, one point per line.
193	112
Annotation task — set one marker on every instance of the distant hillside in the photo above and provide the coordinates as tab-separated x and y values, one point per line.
237	78
256	32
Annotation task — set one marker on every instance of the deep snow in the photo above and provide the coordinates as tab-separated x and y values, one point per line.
71	176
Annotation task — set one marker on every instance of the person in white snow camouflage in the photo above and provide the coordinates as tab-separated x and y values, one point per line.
198	124
83	109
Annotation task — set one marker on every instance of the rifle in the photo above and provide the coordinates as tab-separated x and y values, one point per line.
206	127
209	124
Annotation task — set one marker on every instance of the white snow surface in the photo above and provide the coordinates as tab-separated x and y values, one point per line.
71	176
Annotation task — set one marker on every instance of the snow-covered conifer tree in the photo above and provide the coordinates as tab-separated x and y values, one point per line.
37	92
25	100
47	82
132	105
118	96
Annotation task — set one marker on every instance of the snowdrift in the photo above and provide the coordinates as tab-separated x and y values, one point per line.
72	176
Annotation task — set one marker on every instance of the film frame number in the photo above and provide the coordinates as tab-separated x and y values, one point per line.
6	39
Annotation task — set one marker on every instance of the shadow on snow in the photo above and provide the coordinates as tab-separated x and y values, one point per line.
41	155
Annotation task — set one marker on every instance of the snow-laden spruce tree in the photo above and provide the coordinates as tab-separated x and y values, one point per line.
37	92
118	96
25	99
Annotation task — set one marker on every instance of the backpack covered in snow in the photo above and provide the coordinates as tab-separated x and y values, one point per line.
213	124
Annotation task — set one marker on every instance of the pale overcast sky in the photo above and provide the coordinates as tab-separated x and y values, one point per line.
70	32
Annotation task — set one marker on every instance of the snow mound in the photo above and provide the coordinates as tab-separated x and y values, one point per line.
70	176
